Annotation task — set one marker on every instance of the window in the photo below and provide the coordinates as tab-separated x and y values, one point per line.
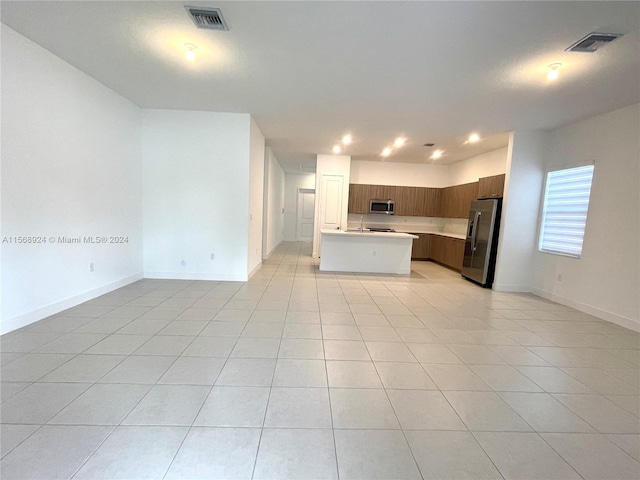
564	214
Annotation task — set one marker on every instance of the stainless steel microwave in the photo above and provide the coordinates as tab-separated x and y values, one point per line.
386	207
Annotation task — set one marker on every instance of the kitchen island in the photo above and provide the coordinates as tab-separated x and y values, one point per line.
366	252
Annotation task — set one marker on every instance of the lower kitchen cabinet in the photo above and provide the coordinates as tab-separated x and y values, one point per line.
420	250
447	251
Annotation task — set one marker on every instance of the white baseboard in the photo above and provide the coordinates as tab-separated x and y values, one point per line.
220	277
270	252
57	307
514	288
630	323
254	270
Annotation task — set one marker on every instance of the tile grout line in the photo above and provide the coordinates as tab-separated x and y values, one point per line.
190	427
266	409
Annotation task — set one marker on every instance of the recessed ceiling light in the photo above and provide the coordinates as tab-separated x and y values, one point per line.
552	74
399	142
473	138
386	152
346	139
190	53
337	149
437	154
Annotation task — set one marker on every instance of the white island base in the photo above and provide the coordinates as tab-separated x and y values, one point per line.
367	252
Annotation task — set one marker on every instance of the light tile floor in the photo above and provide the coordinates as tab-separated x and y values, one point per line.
298	374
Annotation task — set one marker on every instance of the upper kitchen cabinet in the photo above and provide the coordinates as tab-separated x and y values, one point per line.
416	201
408	201
455	201
360	195
382	192
431	203
489	187
359	198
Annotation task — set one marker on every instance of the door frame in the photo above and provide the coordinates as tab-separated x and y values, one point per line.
301	192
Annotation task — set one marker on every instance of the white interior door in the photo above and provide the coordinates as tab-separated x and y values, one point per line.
331	202
329	208
306	209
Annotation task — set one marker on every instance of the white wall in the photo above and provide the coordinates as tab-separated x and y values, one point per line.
292	183
520	211
484	165
256	196
70	167
196	194
274	181
605	280
404	174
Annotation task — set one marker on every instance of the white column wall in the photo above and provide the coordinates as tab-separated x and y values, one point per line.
196	194
256	197
520	211
274	198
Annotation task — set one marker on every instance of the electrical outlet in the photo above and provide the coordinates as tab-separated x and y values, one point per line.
91	269
374	253
213	256
559	277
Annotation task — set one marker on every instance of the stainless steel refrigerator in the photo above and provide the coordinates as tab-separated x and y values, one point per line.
481	245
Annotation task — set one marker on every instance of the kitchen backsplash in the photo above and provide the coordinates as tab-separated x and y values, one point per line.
410	224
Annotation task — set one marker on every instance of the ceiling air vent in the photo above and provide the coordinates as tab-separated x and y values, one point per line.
593	42
207	18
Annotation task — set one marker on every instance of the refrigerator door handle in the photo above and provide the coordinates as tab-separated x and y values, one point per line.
474	239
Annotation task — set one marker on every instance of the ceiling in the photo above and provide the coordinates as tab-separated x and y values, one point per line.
309	72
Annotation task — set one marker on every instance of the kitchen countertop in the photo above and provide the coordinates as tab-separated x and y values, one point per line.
415	231
459	236
357	233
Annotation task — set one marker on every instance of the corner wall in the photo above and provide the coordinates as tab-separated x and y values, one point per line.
520	211
605	281
256	197
196	194
274	181
70	168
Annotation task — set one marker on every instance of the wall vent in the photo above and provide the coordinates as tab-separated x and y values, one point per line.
207	18
593	42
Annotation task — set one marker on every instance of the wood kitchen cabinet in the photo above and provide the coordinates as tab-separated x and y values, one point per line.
447	251
358	199
489	187
449	202
431	204
407	201
420	249
455	201
361	194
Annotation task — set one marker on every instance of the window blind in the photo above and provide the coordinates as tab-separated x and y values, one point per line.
564	216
